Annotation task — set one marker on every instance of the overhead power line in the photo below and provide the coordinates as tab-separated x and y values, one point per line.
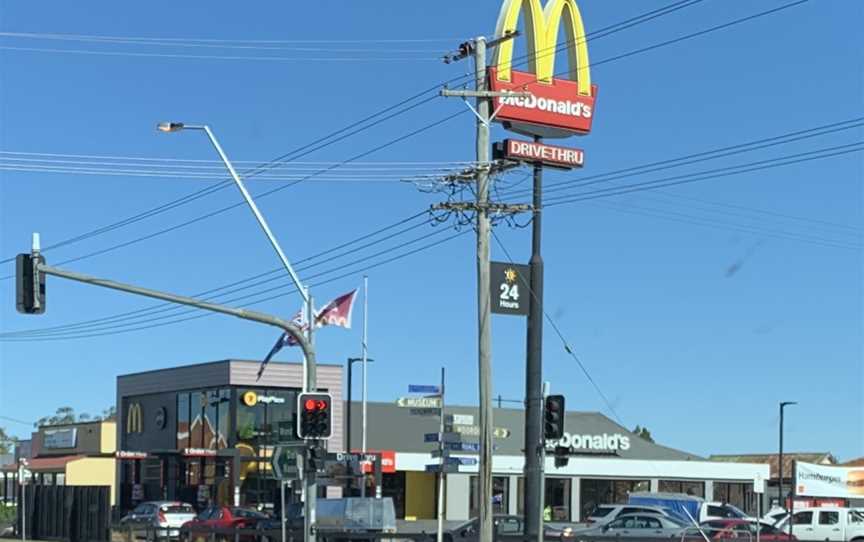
347	131
291	291
825	152
565	344
698	157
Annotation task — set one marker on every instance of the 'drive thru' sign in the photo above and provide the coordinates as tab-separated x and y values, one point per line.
550	155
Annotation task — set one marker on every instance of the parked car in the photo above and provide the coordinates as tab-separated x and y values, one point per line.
739	528
222	517
638	525
604	513
688	506
826	524
502	525
159	519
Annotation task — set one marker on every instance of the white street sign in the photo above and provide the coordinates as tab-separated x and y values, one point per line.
419	402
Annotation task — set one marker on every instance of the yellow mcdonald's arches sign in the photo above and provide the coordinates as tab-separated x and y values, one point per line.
134	419
557	107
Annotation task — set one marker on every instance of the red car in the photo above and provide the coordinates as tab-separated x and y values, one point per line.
743	528
222	517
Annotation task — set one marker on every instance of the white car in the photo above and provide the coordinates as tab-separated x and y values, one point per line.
605	513
829	524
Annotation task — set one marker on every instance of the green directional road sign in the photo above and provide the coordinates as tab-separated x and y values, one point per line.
284	463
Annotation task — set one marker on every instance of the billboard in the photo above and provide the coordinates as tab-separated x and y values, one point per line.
557	107
814	480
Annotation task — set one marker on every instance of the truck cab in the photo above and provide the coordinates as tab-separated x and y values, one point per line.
826	524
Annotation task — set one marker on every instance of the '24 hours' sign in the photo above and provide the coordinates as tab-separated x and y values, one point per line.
510	292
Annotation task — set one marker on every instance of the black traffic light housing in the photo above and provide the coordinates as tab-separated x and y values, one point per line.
29	284
553	417
314	415
562	456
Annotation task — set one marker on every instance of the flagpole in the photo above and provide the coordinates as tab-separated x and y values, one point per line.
365	358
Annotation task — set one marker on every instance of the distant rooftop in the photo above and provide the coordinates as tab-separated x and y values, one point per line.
772	460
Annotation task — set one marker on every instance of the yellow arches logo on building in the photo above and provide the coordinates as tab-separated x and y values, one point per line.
134	419
541	31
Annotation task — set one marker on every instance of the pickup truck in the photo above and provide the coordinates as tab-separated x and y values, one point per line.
826	524
693	508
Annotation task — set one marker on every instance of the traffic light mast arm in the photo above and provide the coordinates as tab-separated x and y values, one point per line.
254	316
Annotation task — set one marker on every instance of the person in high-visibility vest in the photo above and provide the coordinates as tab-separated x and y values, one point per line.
547	513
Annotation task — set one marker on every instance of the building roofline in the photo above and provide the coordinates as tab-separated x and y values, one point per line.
772	454
221	361
68	424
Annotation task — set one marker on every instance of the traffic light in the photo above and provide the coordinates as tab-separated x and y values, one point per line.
315	415
29	284
562	456
553	417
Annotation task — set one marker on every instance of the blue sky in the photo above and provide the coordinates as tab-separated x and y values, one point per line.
696	310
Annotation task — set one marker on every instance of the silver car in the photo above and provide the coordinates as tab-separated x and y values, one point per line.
605	513
639	525
158	519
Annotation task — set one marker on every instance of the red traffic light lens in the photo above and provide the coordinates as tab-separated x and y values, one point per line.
321	405
309	405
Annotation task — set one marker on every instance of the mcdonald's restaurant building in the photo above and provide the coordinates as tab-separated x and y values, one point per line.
608	463
205	433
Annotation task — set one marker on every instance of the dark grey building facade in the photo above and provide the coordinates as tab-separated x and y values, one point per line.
205	433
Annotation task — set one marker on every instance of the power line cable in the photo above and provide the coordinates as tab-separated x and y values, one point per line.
257	196
270	298
826	152
204	192
698	157
238	285
566	345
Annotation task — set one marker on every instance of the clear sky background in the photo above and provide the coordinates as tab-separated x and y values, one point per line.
695	308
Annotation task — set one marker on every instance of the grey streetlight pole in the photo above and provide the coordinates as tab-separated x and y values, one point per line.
781	499
309	368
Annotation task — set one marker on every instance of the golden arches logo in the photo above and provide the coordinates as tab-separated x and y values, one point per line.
541	30
134	419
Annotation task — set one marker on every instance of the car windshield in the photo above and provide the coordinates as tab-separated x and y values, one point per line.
177	508
735	511
247	513
601	511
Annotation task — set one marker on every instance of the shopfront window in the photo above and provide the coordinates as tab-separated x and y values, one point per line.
697	489
266	416
500	495
594	492
182	420
203	419
393	486
557	504
738	494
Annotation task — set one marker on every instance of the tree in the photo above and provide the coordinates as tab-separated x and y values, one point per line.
7	442
643	433
67	414
110	413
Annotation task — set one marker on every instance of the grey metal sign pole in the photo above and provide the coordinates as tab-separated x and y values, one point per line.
534	441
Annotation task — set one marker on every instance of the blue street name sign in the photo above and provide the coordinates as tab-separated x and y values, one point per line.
461	460
448	468
423	388
463	446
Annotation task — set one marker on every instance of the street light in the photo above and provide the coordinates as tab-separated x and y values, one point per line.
781	499
309	369
168	127
351	362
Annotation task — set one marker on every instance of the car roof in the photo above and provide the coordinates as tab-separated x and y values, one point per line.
649	514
